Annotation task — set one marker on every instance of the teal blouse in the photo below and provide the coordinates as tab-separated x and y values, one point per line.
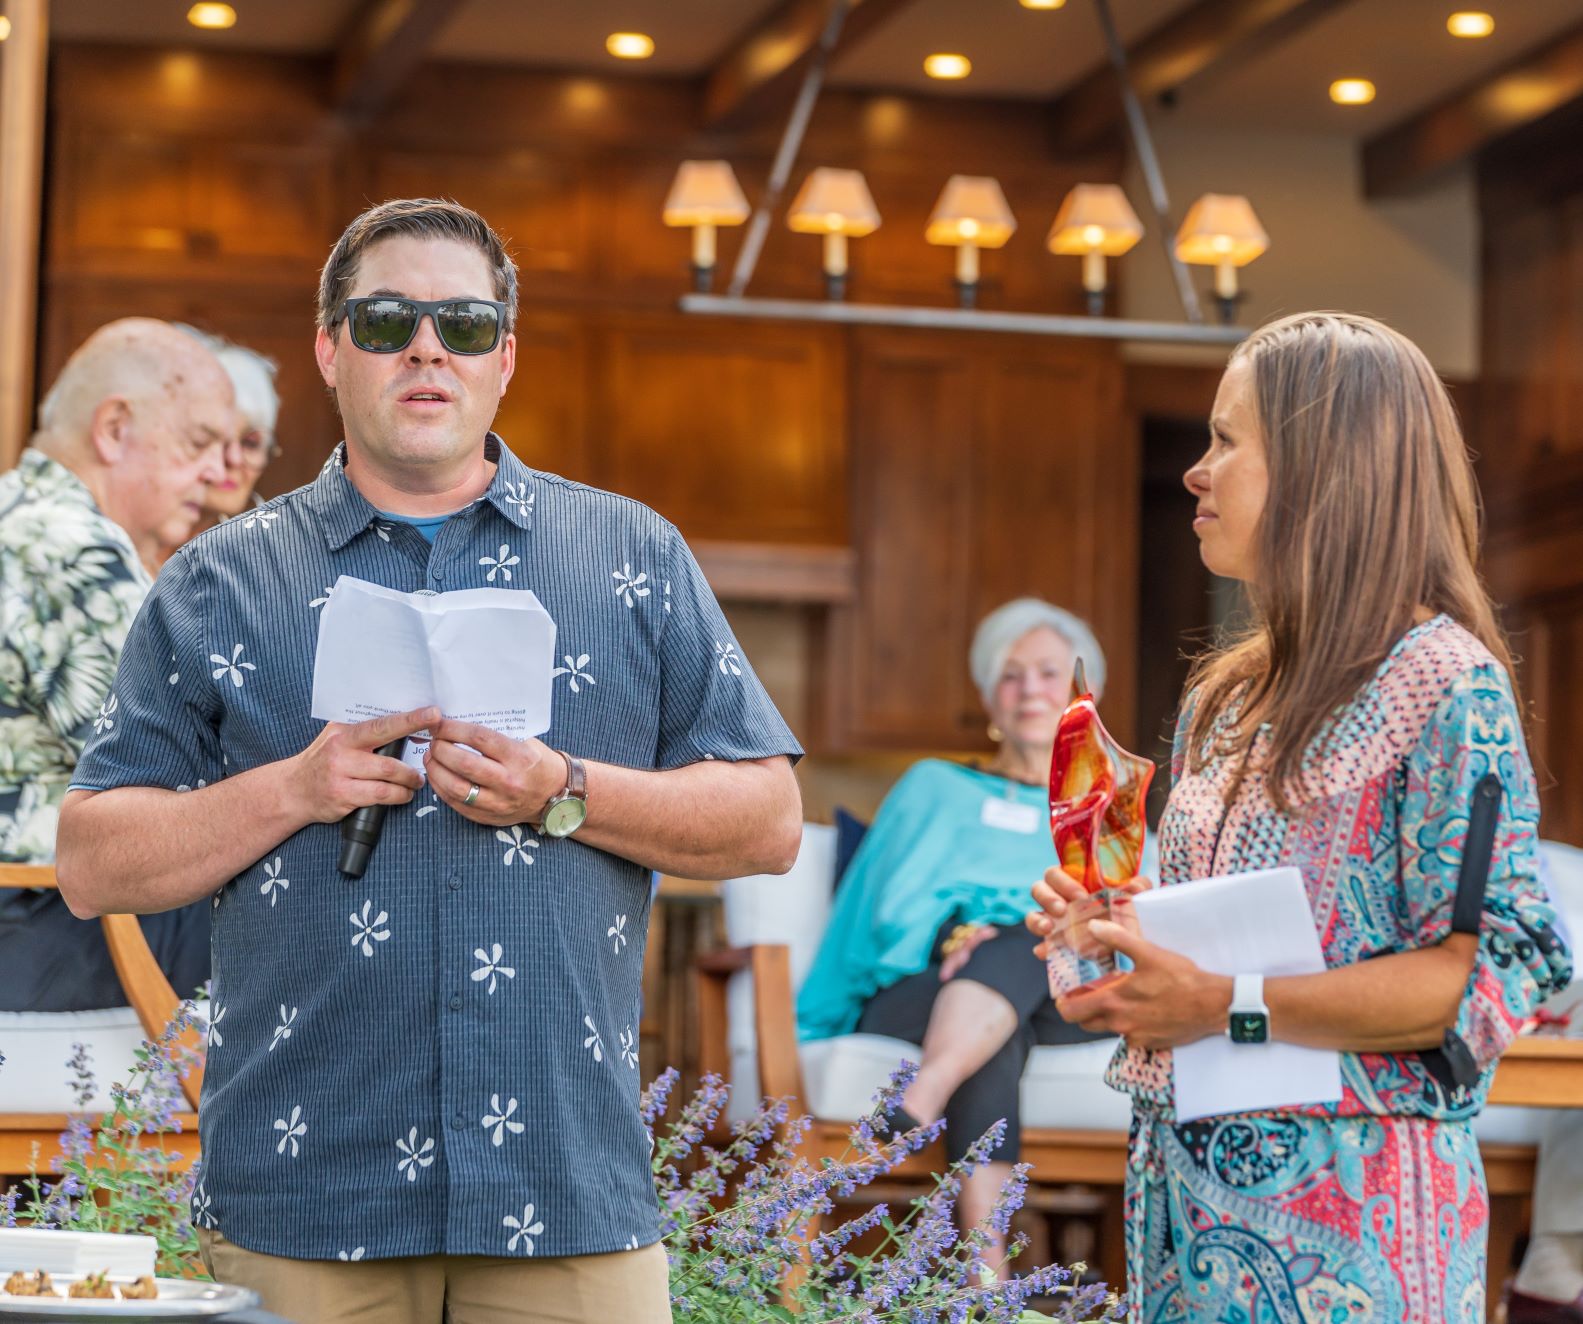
929	856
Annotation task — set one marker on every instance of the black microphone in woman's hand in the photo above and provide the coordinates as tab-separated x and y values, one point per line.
360	829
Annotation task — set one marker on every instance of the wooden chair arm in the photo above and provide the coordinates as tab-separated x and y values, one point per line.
143	982
774	1015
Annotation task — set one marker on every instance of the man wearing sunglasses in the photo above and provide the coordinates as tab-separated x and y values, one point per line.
422	1102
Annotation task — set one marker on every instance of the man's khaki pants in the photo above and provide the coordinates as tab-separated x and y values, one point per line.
627	1287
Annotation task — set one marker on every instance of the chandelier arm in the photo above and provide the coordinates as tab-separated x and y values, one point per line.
786	153
1143	144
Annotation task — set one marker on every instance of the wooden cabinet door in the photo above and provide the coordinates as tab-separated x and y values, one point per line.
985	469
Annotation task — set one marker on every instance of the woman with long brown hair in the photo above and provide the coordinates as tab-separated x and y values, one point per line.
1343	733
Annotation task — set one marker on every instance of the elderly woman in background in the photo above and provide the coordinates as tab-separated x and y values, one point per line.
925	940
258	404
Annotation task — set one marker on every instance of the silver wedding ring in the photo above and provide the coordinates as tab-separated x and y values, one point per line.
472	794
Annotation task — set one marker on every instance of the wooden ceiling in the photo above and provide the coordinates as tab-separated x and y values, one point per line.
1264	63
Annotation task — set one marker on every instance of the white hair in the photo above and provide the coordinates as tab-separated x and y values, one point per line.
252	376
998	633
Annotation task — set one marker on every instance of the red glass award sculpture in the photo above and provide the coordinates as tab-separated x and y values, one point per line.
1097	792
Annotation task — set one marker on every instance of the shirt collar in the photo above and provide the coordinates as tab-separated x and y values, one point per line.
49	476
344	512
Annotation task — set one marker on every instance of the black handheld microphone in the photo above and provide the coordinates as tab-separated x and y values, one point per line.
360	829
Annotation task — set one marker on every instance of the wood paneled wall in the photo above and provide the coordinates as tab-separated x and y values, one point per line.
961	471
1531	441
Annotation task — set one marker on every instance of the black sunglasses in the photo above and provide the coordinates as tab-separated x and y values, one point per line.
386	324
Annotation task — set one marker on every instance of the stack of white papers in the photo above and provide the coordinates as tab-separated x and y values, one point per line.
480	655
1242	924
75	1253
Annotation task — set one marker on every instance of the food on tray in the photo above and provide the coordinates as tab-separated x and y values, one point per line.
144	1289
30	1284
94	1285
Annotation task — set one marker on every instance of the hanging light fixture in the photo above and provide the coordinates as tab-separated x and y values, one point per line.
1095	222
705	194
970	214
838	205
1221	231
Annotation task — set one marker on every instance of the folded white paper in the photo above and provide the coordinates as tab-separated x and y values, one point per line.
1242	924
480	655
73	1254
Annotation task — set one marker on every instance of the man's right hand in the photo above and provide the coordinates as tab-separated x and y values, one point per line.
340	772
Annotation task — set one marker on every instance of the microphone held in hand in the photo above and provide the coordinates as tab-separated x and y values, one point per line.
360	829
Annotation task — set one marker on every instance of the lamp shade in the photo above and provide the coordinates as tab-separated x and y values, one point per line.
1221	228
834	202
1095	218
705	193
971	210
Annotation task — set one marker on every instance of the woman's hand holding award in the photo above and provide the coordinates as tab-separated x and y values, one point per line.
1097	792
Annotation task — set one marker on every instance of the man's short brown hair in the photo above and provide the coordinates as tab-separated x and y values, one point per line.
426	218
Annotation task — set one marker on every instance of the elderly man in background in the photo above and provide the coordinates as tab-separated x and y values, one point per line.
131	437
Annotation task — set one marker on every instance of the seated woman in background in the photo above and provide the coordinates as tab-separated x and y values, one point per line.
253	377
925	940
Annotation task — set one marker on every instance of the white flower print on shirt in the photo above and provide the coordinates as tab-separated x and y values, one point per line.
617	933
369	931
273	884
517	843
105	721
727	657
319	602
283	1030
629	587
576	669
353	1257
594	1041
500	563
185	787
417	1156
498	1120
202	1205
383	530
232	667
215	1038
517	495
491	966
667	596
629	1048
262	518
526	1229
174	675
632	1243
292	1129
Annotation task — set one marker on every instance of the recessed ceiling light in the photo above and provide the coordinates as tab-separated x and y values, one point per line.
1042	4
630	45
5	27
948	66
212	16
1352	91
1470	23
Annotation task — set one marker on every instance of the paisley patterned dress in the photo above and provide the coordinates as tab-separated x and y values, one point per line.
1373	1208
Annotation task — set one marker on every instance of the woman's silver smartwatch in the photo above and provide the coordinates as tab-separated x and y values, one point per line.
1249	1021
567	809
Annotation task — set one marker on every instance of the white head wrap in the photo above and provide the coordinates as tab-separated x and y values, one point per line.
999	632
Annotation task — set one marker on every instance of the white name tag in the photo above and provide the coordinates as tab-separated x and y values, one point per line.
1010	815
415	752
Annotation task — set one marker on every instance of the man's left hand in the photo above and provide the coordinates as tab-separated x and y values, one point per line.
515	778
1164	1001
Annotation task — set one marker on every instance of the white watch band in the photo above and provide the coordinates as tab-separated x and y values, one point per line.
1247	993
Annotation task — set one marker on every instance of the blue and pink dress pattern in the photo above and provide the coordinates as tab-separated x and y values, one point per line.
1373	1208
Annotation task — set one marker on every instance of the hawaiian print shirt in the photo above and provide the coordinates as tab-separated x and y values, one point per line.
70	584
1380	851
440	1056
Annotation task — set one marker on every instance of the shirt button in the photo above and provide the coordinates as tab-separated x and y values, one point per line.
436	576
454	882
458	1122
456	1002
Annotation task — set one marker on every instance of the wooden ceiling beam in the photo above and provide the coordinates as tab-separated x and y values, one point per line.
759	76
381	46
1517	96
1205	37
